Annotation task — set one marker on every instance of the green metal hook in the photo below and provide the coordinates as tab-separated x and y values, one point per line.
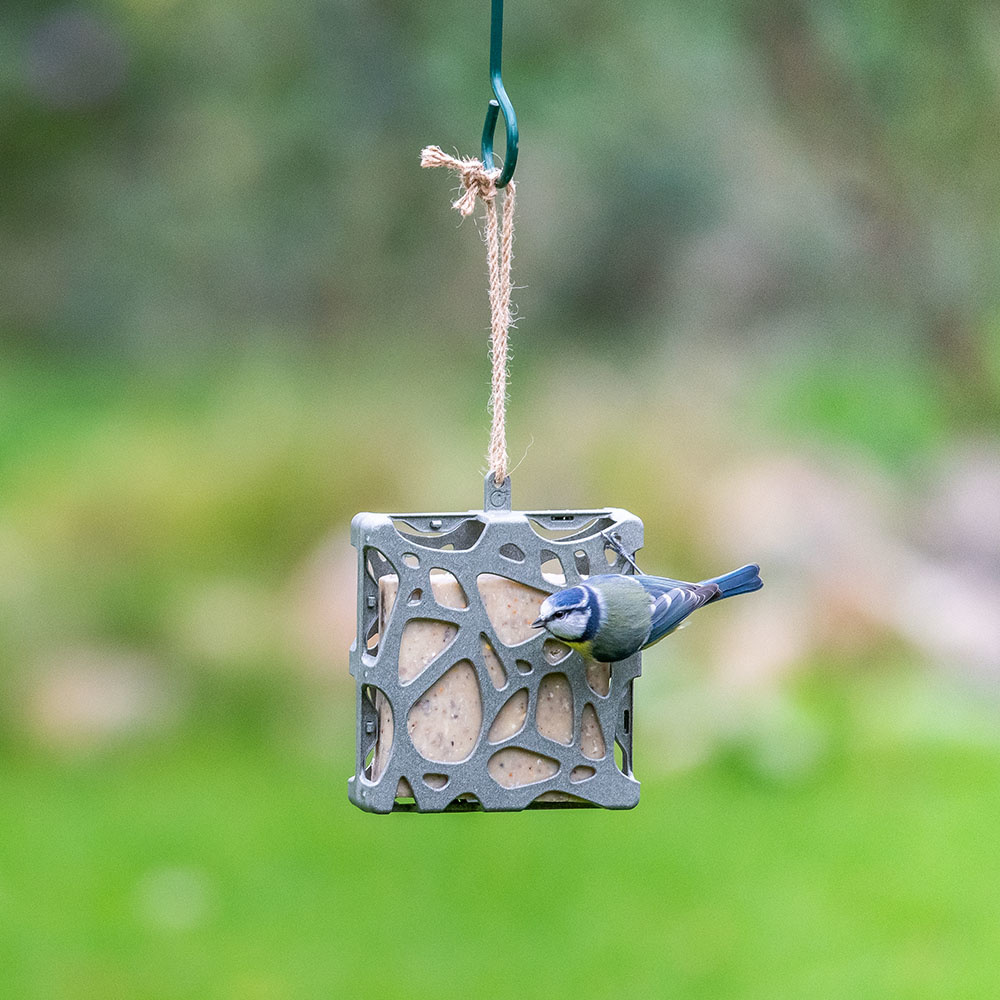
502	103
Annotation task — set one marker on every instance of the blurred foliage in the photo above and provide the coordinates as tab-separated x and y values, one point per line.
172	169
757	246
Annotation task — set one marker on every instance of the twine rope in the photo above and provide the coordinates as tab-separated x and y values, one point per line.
479	182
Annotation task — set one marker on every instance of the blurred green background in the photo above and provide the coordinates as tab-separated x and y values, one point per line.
756	251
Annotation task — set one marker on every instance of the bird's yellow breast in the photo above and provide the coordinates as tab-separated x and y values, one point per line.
585	649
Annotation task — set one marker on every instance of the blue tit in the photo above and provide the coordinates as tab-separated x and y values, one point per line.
610	617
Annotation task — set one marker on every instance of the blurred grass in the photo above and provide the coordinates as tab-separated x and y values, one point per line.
230	867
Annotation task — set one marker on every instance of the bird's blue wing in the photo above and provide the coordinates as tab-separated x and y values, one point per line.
656	586
672	606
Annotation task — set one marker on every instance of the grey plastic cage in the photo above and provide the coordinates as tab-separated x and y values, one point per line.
460	705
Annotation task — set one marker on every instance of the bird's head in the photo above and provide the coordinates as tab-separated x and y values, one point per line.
568	614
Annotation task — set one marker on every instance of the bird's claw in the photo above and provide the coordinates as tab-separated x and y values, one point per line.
615	542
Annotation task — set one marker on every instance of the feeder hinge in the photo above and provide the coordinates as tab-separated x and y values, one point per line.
496	497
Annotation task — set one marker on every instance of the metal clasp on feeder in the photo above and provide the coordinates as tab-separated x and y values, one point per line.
496	497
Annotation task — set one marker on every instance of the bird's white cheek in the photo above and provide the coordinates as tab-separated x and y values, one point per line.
574	626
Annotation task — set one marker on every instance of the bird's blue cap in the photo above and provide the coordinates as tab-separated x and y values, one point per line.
561	600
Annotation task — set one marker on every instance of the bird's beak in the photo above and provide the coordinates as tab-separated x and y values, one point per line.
538	623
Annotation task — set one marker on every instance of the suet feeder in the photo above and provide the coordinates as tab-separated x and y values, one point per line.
460	703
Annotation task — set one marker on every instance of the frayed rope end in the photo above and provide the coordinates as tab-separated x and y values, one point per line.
477	181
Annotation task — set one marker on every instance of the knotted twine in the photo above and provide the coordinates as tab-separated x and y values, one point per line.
479	182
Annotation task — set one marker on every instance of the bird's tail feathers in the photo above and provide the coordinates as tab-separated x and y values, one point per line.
744	580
